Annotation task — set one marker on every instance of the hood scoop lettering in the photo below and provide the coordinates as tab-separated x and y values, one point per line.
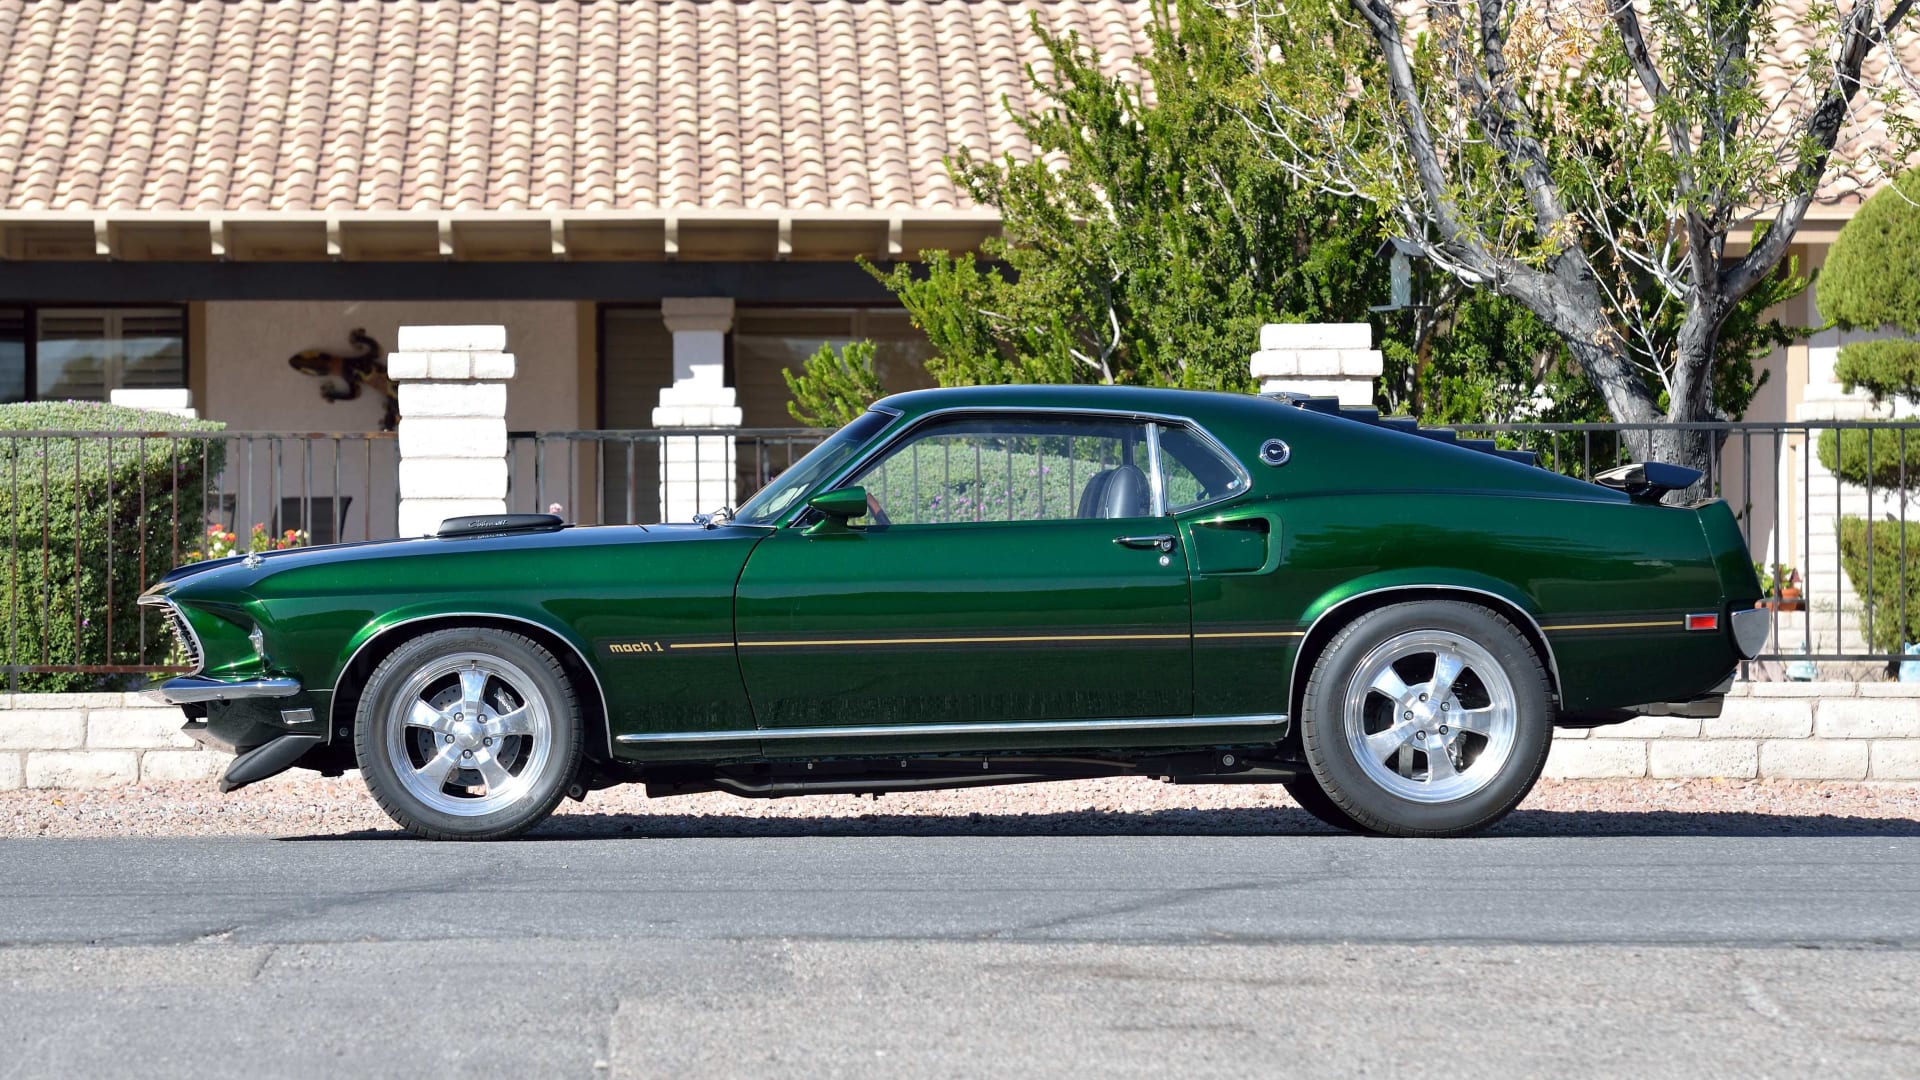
494	524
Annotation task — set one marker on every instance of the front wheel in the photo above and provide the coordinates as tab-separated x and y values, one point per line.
1427	719
468	734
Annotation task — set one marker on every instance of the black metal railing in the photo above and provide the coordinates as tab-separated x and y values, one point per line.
90	518
616	477
1858	581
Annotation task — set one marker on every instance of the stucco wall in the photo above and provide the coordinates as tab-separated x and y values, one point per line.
250	387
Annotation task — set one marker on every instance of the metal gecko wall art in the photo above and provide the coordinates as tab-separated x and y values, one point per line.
345	376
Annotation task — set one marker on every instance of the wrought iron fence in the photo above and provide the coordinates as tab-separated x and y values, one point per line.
1847	545
93	517
624	477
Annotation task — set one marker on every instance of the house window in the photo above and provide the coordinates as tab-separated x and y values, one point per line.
769	341
636	357
86	353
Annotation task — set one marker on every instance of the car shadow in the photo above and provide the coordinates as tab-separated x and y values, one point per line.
1274	821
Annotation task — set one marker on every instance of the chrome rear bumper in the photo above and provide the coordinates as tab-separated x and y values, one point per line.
196	689
1750	629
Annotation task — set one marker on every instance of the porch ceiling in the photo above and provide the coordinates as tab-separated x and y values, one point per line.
742	235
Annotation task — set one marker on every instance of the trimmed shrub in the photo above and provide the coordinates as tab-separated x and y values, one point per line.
1871	281
1872	276
85	525
1890	577
1869	455
1885	369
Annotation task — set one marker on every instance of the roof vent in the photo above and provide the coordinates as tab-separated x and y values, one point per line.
491	524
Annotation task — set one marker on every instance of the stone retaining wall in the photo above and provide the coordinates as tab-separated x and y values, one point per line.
96	740
1773	730
1802	731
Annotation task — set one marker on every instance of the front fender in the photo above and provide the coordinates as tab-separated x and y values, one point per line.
451	611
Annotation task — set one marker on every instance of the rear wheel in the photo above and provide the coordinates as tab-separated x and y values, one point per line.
468	734
1427	719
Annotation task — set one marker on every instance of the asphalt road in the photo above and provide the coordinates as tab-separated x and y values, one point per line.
910	956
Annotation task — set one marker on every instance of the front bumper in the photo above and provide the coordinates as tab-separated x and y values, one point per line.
271	725
198	689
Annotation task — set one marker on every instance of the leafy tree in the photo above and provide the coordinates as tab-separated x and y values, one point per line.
1149	238
834	387
1486	359
1592	161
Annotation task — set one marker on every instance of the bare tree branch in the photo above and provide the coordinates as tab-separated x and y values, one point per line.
1822	126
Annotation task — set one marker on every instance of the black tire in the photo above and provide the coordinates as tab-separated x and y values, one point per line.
493	791
1307	794
1415	796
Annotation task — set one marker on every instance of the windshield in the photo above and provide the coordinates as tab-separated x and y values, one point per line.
770	502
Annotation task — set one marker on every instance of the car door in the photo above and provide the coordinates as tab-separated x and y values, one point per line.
1012	568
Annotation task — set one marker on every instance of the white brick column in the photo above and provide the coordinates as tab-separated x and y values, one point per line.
697	472
453	422
1320	359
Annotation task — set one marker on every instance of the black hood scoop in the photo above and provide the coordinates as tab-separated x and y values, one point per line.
495	524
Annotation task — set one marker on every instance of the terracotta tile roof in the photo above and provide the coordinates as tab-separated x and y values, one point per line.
338	105
555	105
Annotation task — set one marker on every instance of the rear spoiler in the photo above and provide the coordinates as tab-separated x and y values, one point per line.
1649	481
1330	406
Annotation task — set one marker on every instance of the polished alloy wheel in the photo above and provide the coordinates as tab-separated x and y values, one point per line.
1430	716
470	734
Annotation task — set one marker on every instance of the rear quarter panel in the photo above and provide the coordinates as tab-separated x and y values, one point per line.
1609	584
1359	509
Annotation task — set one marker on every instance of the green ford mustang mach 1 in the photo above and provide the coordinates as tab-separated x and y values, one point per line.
997	585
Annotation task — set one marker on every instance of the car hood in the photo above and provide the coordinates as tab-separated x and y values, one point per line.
242	572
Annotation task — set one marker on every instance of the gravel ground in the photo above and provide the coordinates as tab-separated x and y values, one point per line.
1113	806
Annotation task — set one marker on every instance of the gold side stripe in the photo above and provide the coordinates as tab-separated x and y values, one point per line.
700	645
1253	634
1616	625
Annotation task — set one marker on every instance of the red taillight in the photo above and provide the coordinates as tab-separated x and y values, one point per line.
1703	622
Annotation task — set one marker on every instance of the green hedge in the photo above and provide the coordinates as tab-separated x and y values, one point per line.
1845	453
1889	577
76	514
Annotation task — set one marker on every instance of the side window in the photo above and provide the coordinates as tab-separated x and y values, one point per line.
1194	470
1011	469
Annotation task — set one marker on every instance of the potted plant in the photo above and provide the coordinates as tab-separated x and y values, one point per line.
1783	593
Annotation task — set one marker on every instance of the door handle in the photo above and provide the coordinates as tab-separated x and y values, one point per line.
1162	541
